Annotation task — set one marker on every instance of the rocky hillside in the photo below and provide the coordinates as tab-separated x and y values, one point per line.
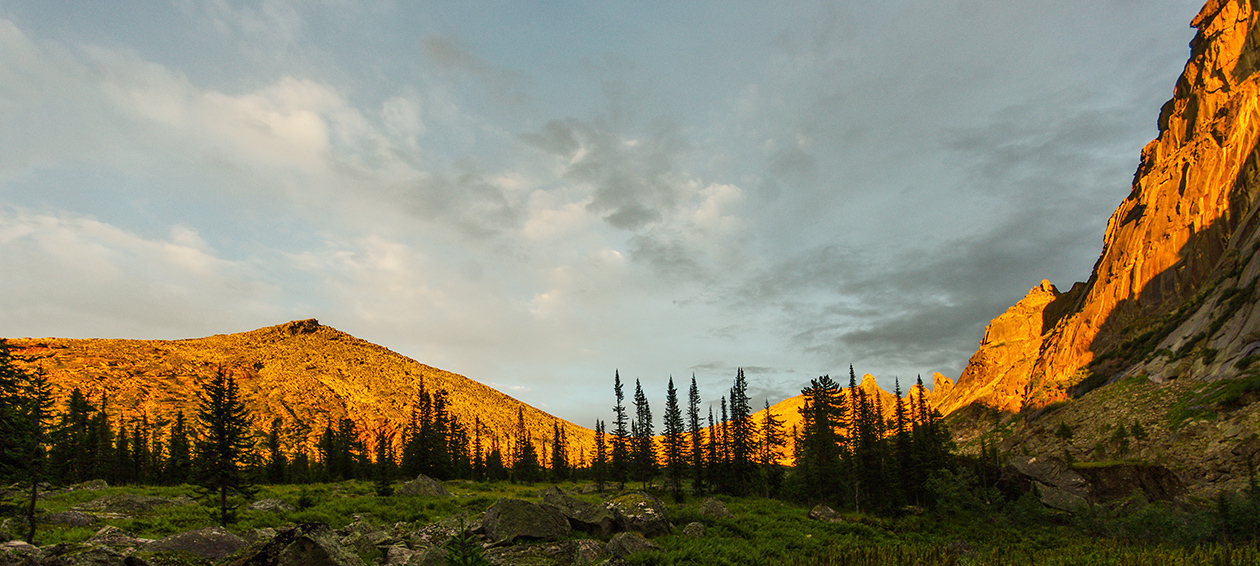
305	373
1173	293
1165	333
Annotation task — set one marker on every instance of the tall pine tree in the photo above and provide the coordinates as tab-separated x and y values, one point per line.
219	473
675	441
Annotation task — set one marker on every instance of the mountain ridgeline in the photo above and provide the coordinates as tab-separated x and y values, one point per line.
306	374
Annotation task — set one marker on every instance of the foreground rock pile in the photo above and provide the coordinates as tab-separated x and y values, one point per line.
509	532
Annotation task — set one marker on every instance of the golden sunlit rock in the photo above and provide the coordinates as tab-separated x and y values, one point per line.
302	372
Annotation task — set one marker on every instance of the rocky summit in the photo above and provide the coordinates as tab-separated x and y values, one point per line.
302	372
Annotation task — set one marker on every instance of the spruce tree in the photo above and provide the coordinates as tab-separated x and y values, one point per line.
178	467
741	437
525	465
644	449
559	456
12	424
771	442
219	473
621	436
35	415
276	460
697	445
818	476
599	467
69	455
675	441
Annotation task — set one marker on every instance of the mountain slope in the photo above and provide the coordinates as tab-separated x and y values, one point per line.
305	373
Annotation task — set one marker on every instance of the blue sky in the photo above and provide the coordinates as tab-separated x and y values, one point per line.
536	195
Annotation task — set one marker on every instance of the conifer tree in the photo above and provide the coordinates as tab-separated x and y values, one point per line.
621	436
697	445
644	450
12	423
35	415
525	465
178	467
713	465
769	450
599	467
276	460
384	468
741	437
675	441
69	458
559	456
221	449
818	475
478	461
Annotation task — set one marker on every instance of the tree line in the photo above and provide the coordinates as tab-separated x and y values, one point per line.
845	452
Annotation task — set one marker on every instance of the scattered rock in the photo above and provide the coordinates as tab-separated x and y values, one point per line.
68	518
268	505
640	512
115	537
510	519
822	512
583	516
214	543
126	503
627	543
694	530
1058	484
711	507
424	486
90	485
86	555
569	552
259	536
308	544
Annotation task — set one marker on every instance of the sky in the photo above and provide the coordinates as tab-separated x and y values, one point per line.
538	194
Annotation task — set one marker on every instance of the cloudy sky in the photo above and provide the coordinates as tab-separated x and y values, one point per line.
537	194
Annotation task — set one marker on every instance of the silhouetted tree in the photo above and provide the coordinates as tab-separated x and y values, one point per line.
221	449
675	441
769	451
818	475
276	460
525	465
621	436
559	456
599	467
697	443
644	450
178	467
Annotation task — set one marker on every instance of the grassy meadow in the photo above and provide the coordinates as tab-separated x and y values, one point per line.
761	531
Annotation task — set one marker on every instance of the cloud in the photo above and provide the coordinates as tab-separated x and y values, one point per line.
73	275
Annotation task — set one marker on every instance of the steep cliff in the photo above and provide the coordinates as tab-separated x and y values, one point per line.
1173	293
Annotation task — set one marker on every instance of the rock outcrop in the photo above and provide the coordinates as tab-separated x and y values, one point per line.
1173	293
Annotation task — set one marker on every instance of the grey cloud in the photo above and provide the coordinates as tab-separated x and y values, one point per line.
633	170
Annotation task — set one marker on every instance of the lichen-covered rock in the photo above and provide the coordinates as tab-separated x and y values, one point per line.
711	507
1059	486
110	535
68	518
640	512
693	530
424	486
128	503
308	544
822	512
624	544
84	555
214	543
565	553
583	516
268	505
511	519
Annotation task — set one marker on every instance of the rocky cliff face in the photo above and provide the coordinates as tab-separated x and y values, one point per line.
1173	294
306	374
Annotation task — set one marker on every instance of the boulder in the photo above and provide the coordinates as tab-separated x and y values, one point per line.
511	519
90	485
308	544
269	505
112	536
565	553
86	555
68	518
822	512
583	516
1058	485
711	507
424	486
213	543
127	503
694	530
624	544
640	512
